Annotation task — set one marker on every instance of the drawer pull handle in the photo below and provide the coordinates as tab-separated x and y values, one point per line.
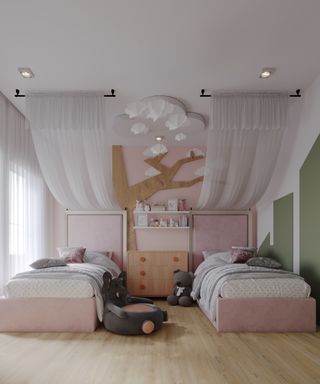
176	258
142	259
142	273
142	286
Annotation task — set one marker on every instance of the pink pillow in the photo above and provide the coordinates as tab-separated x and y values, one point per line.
242	254
72	255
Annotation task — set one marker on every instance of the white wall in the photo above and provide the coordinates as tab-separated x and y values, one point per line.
303	130
58	236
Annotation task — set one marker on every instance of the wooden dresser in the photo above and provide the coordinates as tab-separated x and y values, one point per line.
150	273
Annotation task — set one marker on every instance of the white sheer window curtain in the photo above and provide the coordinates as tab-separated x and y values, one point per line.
242	149
71	140
23	196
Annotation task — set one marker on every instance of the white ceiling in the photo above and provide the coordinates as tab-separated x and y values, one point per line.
152	47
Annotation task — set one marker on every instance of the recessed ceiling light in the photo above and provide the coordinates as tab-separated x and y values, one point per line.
159	138
26	73
266	73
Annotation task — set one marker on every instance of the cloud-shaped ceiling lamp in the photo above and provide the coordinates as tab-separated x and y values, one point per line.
139	129
135	109
180	136
158	108
163	116
176	121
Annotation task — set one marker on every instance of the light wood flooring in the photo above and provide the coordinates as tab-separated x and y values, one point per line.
186	350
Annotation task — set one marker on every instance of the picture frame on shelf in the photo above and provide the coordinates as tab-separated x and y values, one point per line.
141	220
172	204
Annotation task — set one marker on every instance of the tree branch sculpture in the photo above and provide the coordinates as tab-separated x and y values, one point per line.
128	195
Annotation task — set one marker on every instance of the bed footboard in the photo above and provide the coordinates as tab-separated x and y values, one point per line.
48	315
266	315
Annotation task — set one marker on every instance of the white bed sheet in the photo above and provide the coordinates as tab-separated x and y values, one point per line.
61	288
274	287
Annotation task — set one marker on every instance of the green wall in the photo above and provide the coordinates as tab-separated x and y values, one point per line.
282	250
283	231
310	222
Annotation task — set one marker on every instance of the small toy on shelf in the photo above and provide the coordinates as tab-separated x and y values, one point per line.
139	205
147	207
163	223
182	205
183	221
173	204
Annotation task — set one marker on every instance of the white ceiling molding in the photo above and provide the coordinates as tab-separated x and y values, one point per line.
159	116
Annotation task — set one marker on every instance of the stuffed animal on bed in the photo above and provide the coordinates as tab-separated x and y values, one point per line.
125	314
183	287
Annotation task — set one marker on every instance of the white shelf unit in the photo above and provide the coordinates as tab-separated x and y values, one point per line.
141	227
163	212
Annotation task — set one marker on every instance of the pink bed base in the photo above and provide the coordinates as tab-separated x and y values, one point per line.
265	315
48	315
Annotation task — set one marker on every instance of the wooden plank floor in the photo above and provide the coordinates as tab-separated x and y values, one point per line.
186	350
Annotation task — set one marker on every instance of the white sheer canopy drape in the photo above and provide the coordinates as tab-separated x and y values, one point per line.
242	148
23	196
71	140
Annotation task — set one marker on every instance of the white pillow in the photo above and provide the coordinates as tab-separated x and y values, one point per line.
224	256
103	259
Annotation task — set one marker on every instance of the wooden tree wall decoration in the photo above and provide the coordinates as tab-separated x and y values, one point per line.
127	195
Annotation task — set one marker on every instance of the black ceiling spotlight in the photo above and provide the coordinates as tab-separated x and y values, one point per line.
202	93
18	94
297	94
112	94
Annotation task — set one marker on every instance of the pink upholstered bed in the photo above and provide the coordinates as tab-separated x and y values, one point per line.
99	230
219	231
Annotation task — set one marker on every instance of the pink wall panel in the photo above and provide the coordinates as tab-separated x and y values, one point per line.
97	233
163	239
218	232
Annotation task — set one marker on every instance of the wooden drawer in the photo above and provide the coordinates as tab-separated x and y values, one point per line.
154	258
150	273
150	287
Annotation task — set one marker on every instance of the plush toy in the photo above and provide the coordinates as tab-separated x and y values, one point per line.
128	315
183	287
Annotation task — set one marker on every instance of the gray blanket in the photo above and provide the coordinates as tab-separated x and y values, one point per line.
83	271
213	273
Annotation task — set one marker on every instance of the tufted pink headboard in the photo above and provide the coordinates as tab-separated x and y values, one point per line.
99	231
219	232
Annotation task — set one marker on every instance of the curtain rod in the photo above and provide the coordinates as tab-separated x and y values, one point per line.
112	93
297	94
202	94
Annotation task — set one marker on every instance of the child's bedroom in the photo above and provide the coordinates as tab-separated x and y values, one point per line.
159	192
